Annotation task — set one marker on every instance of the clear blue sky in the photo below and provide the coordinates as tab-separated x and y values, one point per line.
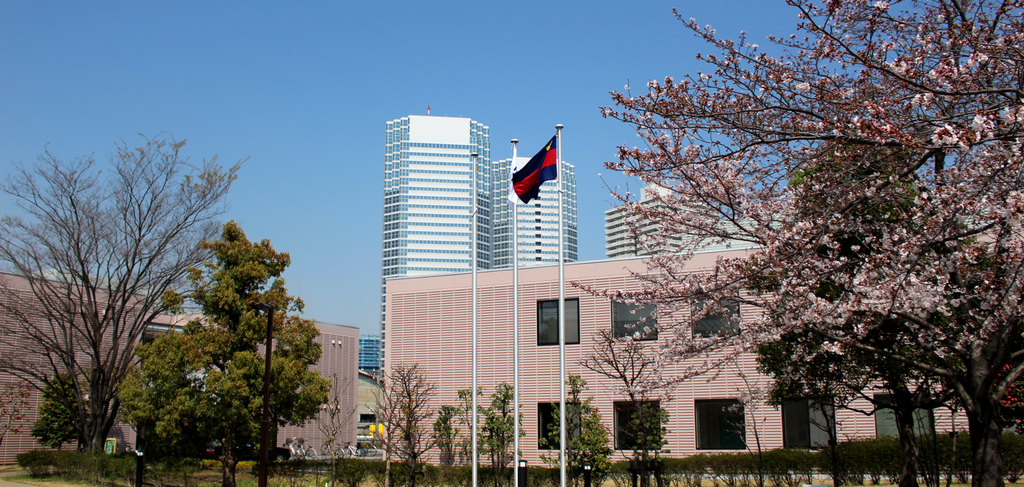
304	90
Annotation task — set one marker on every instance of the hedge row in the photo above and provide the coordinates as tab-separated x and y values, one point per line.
858	461
77	466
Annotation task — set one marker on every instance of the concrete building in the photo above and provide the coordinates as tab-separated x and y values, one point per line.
431	326
537	225
623	232
340	346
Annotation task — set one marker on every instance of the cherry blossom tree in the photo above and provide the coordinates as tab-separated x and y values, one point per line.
871	166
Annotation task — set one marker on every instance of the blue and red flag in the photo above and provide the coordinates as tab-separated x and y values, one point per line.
542	167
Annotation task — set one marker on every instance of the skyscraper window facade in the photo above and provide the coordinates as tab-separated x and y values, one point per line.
369	353
428	174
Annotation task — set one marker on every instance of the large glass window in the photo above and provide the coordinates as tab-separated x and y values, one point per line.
885	419
628	421
720	425
547	321
547	415
806	424
628	319
714	324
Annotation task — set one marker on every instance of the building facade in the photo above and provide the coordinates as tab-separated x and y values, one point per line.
431	326
339	344
537	225
369	353
428	174
428	178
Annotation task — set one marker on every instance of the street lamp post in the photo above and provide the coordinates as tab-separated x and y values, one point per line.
265	421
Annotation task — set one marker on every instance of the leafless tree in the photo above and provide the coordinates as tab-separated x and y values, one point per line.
406	414
13	403
627	361
90	258
334	418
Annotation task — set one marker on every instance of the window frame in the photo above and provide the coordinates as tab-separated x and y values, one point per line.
546	415
622	411
568	324
810	407
624	328
706	438
924	419
730	327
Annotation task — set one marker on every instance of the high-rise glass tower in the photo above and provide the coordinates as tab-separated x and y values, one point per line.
427	191
537	224
369	353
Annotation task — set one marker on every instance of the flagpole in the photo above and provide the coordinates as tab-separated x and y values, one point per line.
472	255
515	316
561	315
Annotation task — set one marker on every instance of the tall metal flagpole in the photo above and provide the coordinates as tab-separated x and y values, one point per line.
512	200
472	256
561	315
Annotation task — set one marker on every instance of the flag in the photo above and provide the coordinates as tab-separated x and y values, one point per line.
542	167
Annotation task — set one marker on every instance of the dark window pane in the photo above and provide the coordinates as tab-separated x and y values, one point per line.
625	319
805	424
720	425
885	419
716	323
627	421
547	322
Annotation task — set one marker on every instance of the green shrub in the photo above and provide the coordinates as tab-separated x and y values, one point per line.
37	462
730	468
351	471
1012	448
687	471
542	477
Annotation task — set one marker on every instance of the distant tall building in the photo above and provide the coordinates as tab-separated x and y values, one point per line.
624	231
369	353
538	221
427	192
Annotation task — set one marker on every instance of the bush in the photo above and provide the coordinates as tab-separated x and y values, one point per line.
351	471
1012	448
686	472
730	468
542	477
37	462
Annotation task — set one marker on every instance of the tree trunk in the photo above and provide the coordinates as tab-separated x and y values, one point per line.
908	442
228	462
985	435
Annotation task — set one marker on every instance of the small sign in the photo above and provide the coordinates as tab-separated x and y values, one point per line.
110	447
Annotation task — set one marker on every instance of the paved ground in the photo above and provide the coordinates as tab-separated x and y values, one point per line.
5	483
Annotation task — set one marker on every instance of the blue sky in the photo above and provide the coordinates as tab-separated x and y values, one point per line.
304	88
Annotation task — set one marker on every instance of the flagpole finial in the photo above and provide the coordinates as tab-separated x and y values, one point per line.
515	141
559	127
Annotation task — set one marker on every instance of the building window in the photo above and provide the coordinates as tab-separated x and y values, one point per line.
626	321
885	419
547	421
628	421
367	418
715	324
720	425
547	322
807	424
